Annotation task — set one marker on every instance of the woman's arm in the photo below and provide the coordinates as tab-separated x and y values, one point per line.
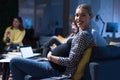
80	43
52	58
5	34
19	38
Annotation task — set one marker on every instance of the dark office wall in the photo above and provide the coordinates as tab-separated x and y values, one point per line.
8	9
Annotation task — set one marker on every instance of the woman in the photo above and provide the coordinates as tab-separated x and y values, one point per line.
21	67
14	34
55	40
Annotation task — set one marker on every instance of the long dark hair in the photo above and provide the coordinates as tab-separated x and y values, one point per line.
21	28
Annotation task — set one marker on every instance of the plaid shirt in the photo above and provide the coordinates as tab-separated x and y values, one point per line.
78	46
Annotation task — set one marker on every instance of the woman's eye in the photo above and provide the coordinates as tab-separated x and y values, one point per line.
83	15
76	15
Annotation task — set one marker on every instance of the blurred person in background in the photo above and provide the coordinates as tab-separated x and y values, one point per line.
14	34
59	40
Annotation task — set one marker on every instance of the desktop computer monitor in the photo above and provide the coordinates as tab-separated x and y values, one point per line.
112	27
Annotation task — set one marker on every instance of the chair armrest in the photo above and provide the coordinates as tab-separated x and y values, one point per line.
28	77
105	70
92	66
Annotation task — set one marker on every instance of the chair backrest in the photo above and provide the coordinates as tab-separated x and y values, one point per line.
83	62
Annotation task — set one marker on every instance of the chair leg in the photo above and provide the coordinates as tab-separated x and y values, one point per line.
6	71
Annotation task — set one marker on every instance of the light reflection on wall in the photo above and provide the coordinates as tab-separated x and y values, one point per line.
27	23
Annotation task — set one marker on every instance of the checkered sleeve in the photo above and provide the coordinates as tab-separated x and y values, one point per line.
79	44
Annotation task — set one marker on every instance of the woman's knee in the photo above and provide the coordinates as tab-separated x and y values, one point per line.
14	61
54	37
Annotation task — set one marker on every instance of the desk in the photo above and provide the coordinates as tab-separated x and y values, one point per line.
6	60
109	39
9	56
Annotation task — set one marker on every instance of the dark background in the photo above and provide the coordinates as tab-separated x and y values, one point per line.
8	9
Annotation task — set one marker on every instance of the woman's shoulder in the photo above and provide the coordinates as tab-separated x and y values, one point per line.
23	30
84	32
8	28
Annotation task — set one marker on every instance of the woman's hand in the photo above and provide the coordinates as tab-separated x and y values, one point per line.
49	55
8	44
52	58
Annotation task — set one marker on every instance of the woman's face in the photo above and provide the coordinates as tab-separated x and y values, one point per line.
16	23
82	18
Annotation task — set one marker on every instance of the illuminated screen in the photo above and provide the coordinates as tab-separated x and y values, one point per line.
112	27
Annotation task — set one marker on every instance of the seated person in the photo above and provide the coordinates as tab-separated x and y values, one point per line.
55	40
13	37
14	34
